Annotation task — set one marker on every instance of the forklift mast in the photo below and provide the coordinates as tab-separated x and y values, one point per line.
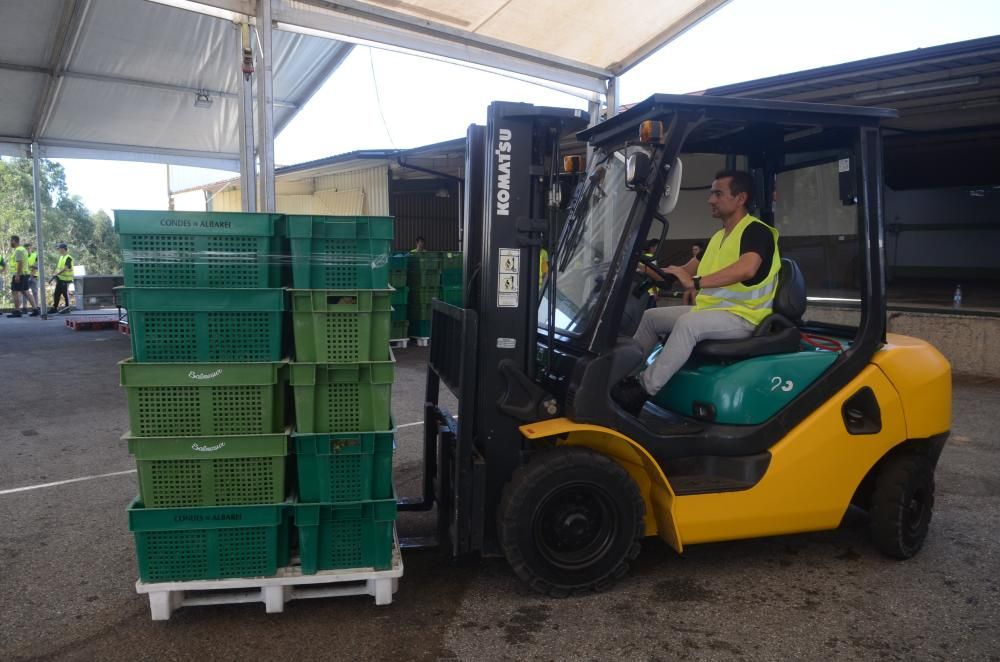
485	351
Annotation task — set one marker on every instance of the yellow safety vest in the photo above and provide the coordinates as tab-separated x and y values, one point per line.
12	262
68	276
752	303
33	264
543	266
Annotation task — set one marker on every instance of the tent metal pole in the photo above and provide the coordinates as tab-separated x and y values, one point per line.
265	108
248	174
39	239
614	96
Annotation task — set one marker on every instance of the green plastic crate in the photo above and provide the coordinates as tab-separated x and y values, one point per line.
342	398
422	279
200	249
203	324
346	535
204	399
341	326
400	329
452	295
216	542
400	295
397	278
181	472
398	261
340	252
420	328
424	261
451	277
399	312
351	466
417	312
419	295
451	261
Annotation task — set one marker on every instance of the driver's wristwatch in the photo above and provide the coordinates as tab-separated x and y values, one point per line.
697	282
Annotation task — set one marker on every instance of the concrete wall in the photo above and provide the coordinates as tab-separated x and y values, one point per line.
968	342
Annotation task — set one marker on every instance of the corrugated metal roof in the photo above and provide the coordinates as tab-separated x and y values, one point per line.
943	87
118	79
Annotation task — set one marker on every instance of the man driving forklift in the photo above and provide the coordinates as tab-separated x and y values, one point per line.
733	283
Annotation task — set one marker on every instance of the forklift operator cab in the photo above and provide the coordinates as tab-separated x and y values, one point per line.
775	434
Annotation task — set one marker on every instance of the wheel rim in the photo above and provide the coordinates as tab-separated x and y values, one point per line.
575	525
913	515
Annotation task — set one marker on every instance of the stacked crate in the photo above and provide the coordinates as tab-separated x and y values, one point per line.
452	283
423	278
206	393
341	380
400	297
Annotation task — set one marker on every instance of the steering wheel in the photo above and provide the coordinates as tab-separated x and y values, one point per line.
650	263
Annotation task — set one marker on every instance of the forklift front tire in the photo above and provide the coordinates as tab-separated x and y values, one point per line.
570	521
902	505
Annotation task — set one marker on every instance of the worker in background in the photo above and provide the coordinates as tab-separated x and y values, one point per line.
733	284
63	277
17	266
420	248
543	266
650	252
31	294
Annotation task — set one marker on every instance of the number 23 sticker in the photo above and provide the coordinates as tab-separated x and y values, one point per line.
785	385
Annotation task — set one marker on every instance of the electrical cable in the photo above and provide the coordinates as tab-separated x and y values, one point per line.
378	98
822	342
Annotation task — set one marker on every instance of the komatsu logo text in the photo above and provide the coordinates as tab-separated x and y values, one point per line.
503	173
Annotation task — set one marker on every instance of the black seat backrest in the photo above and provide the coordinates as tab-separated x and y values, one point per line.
790	295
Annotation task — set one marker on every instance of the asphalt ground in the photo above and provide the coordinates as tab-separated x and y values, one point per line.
67	567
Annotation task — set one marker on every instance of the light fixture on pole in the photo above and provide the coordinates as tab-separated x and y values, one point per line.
202	99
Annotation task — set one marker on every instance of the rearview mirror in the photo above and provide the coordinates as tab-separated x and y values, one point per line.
673	188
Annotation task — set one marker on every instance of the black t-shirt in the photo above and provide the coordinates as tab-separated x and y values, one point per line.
758	239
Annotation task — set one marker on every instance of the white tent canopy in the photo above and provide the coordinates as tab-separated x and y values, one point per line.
118	79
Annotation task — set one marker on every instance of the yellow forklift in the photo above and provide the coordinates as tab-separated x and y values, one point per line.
775	434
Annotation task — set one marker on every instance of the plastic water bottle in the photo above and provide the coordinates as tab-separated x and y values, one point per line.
956	301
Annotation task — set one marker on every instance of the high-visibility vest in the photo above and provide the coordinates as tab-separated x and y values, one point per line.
12	262
753	303
543	266
68	276
33	263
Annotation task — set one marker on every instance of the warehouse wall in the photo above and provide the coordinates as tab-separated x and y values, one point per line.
420	211
357	192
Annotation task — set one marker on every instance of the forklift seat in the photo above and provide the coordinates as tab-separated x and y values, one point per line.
778	333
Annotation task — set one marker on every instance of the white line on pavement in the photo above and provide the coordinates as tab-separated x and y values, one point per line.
63	482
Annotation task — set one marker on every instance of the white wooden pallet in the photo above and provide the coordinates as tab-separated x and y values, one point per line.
420	342
288	584
399	343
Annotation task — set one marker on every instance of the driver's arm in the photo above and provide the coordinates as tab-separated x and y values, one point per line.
691	266
743	269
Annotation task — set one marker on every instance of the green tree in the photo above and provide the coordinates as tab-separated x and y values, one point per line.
90	236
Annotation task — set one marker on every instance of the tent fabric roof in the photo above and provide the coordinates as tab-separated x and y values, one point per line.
118	79
943	87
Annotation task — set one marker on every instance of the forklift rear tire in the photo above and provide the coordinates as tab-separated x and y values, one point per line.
902	505
570	521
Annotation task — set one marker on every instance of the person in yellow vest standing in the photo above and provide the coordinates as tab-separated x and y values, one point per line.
732	283
420	247
543	266
31	294
17	268
63	277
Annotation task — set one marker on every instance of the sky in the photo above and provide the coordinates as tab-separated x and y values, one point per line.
425	101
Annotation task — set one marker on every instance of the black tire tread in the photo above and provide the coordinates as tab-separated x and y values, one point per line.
514	497
894	480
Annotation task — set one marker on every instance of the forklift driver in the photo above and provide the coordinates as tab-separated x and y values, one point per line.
732	286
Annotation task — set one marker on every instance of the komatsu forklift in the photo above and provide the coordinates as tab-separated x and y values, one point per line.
775	434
